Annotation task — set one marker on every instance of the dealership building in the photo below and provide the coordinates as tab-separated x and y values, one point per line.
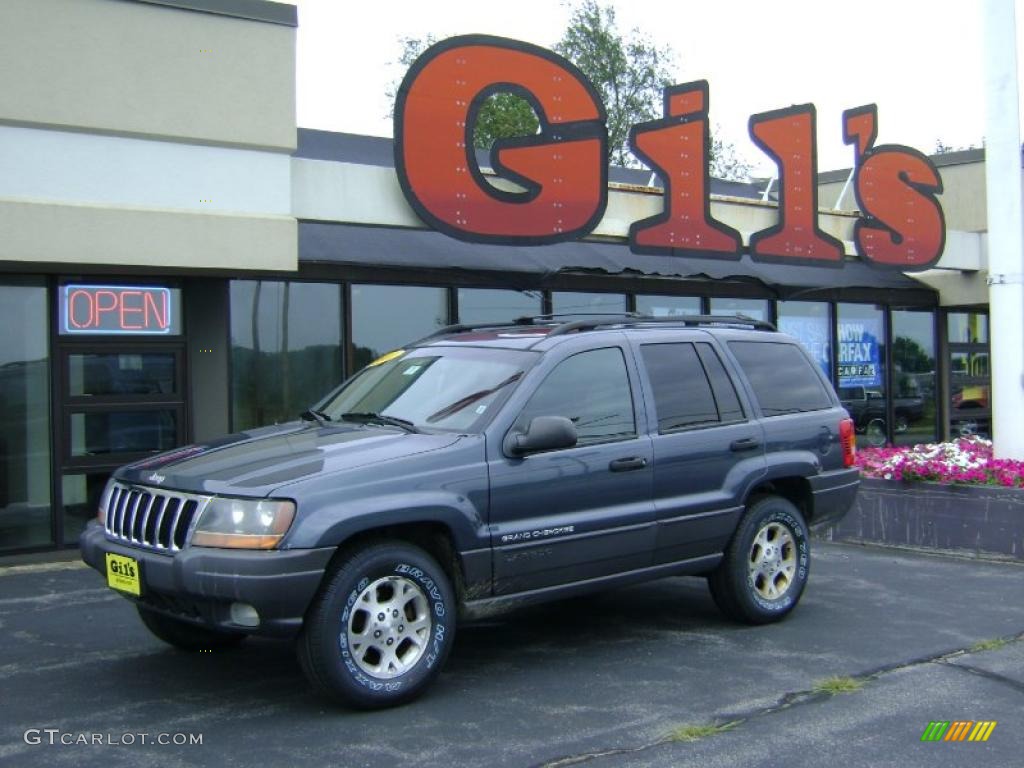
178	260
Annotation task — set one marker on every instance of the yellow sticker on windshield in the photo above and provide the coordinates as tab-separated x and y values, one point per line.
385	358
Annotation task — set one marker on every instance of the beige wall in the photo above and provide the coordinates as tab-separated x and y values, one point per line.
83	234
145	135
142	69
963	198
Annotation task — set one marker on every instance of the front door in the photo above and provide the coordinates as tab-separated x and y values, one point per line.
583	512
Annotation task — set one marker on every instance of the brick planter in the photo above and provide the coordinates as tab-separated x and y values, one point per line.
967	519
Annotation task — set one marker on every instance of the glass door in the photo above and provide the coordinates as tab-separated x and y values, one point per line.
970	385
119	402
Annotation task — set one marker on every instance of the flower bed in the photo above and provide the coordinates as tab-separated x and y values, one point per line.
946	496
965	461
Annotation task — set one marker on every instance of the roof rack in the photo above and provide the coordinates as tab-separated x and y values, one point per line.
633	319
588	322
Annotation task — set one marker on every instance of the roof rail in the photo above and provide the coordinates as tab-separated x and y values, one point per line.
447	330
591	321
633	319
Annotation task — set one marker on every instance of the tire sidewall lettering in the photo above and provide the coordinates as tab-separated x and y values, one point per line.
433	652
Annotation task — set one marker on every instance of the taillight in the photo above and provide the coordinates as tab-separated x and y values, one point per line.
848	441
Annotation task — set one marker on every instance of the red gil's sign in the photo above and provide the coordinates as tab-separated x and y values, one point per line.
116	309
563	171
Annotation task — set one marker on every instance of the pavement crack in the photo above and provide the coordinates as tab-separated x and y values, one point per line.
986	673
797	698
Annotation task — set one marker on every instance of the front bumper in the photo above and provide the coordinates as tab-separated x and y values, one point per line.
199	584
833	494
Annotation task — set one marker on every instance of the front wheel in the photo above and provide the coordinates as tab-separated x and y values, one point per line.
765	567
380	628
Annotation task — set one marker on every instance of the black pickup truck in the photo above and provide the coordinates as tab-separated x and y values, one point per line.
482	468
867	409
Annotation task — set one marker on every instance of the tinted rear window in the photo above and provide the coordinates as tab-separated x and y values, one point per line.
783	379
682	393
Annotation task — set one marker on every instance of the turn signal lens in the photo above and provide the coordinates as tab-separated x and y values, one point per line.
848	441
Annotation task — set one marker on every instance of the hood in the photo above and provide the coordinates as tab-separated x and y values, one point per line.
253	463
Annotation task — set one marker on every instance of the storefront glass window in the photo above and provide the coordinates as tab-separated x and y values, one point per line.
286	348
861	338
914	377
495	305
384	317
970	385
808	322
81	493
24	417
756	309
668	306
570	303
968	328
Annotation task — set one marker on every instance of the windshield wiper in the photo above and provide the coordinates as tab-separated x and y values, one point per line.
471	398
378	418
319	417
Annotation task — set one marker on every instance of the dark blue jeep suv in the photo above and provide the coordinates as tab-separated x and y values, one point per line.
483	467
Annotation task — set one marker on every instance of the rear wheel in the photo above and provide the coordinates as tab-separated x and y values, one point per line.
765	567
187	636
875	432
381	627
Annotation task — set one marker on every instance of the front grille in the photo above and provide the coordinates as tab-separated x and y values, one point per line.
151	517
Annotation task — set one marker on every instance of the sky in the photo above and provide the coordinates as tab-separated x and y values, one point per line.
920	61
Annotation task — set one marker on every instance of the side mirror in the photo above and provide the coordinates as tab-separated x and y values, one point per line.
544	433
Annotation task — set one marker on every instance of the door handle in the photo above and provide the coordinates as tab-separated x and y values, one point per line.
625	465
744	444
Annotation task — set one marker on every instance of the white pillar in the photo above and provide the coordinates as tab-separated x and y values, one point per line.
1005	228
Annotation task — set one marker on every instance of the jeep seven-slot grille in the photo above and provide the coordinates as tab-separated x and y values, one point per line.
150	517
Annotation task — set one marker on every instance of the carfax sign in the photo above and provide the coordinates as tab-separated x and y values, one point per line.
859	358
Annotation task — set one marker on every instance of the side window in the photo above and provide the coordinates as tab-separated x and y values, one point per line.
782	378
729	408
590	388
682	393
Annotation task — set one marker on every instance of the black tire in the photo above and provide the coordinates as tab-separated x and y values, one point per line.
187	636
875	431
753	595
342	645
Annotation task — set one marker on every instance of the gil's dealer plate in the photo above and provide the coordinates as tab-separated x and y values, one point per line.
124	574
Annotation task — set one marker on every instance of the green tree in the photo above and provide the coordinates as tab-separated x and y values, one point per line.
911	356
629	72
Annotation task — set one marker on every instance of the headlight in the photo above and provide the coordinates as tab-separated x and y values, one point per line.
243	523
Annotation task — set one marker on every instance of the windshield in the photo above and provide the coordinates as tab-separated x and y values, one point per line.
451	389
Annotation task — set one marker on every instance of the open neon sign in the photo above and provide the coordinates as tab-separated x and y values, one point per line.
117	310
563	168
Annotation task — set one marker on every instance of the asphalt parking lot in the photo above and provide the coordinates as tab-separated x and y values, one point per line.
599	681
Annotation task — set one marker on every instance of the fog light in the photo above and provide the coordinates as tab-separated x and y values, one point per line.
244	615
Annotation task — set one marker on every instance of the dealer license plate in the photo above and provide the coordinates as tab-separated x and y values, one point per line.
124	574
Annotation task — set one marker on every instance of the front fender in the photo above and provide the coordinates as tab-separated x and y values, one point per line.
331	525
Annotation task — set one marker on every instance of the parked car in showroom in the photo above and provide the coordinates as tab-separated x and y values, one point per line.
481	468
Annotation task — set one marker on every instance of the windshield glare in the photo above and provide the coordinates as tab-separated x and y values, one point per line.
435	388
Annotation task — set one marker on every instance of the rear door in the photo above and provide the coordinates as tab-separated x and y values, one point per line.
800	413
583	512
706	446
